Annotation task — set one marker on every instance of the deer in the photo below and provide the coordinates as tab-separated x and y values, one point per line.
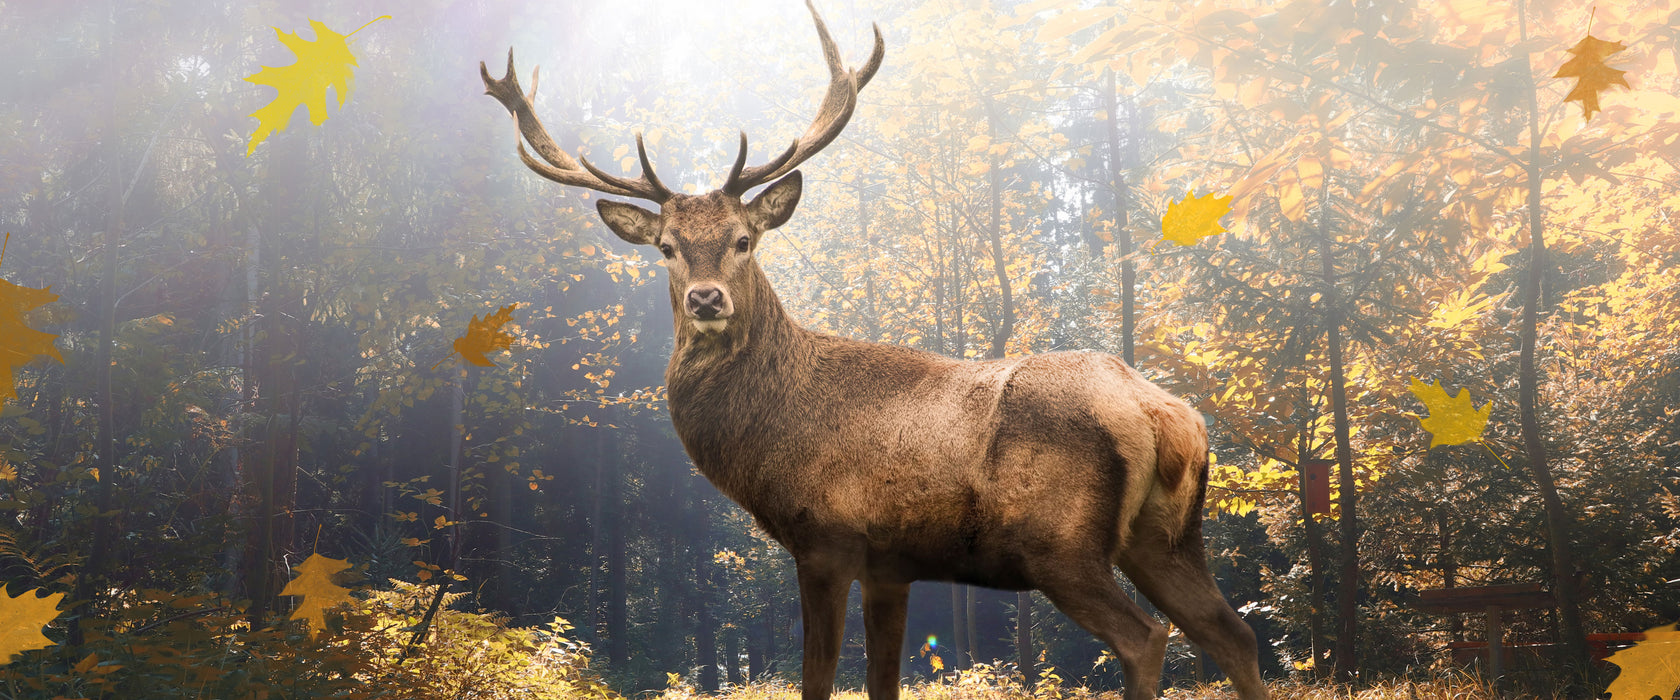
886	465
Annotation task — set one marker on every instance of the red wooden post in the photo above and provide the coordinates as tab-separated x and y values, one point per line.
1316	472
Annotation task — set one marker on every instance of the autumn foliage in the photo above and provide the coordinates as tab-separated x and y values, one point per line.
283	324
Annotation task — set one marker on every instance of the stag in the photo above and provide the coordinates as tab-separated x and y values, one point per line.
888	465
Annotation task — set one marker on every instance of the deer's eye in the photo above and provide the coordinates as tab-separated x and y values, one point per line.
667	249
744	244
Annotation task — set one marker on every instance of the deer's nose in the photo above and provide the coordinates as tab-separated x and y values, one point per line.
705	302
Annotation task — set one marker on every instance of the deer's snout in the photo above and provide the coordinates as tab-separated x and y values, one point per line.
707	302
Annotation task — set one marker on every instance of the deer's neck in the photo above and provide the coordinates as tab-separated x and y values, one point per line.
734	392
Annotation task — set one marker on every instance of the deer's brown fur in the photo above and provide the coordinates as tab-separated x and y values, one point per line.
887	465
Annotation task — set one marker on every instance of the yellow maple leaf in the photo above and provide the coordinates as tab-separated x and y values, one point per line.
314	584
938	663
1649	668
1453	420
21	620
485	336
19	344
323	63
1592	76
1188	221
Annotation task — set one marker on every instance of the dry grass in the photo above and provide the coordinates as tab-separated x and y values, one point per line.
985	683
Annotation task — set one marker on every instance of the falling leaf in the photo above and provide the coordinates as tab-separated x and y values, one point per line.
938	663
1592	75
19	343
1649	668
314	584
21	620
485	336
323	63
1189	221
1452	420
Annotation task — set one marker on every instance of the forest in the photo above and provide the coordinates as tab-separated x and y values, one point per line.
310	388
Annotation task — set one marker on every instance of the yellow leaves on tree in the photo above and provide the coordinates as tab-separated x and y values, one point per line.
1452	420
21	620
314	584
1650	668
1592	76
1187	222
1461	307
19	343
485	336
323	63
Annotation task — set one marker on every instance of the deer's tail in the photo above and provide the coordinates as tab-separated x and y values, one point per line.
1181	464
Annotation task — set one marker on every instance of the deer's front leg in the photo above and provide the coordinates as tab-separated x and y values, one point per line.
883	624
822	598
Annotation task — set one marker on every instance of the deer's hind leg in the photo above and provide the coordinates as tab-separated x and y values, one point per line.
1176	579
1090	596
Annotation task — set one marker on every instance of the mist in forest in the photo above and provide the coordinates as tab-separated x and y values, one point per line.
260	358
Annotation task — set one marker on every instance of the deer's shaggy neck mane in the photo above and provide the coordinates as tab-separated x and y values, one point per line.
730	390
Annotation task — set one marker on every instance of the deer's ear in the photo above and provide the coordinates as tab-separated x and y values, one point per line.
774	206
630	222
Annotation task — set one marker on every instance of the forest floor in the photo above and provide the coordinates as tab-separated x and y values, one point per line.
1458	687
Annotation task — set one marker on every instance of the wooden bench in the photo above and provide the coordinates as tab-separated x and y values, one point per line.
1492	601
1599	647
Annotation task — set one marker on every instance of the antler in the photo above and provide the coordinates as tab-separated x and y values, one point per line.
837	106
561	167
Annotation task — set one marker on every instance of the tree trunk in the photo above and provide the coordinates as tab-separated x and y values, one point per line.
994	231
770	631
973	636
705	632
1315	558
872	313
1122	235
501	549
1564	584
756	643
618	618
448	555
732	657
597	531
1347	595
239	404
959	630
98	562
1024	656
274	472
290	406
1449	573
457	435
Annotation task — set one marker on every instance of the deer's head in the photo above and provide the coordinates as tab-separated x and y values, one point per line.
707	240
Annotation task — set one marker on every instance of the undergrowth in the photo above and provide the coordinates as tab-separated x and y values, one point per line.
163	646
985	682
